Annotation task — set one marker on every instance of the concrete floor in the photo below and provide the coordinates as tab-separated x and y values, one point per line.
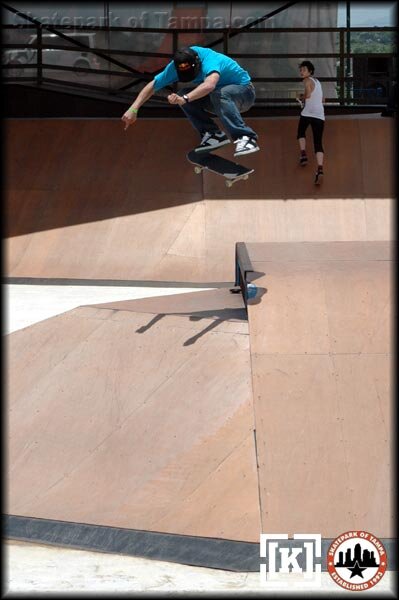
29	304
37	569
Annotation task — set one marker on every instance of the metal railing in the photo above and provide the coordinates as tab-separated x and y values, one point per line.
345	84
243	267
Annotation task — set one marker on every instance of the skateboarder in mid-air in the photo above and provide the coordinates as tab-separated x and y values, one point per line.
312	114
223	88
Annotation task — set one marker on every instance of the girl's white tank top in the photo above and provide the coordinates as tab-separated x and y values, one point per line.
314	105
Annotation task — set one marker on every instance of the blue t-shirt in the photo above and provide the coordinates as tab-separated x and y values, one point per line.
211	61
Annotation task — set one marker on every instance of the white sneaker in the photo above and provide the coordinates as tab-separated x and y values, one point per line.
245	145
211	141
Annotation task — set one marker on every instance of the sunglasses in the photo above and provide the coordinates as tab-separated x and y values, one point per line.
185	66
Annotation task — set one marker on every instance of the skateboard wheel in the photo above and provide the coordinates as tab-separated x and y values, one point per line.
197	170
246	177
229	183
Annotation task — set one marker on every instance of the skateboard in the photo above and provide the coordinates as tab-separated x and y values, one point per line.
230	170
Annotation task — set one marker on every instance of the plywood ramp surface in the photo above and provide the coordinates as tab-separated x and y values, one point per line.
350	147
116	420
321	350
84	199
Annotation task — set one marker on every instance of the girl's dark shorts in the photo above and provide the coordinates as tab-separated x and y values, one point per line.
317	126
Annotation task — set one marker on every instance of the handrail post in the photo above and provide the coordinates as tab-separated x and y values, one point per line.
39	55
225	42
175	41
348	48
341	68
243	267
237	267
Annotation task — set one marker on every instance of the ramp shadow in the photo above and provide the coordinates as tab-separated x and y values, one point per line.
217	316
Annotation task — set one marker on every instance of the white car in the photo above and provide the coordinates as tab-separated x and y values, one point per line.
53	56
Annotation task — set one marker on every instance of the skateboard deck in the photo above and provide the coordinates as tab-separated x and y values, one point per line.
230	170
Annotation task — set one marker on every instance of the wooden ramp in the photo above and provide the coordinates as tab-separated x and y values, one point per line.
85	199
177	416
321	351
139	418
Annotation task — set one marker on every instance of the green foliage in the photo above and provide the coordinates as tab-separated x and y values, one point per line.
371	42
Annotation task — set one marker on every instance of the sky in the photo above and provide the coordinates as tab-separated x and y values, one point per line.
368	14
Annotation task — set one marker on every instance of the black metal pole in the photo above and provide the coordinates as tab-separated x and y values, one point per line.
39	41
348	48
341	68
108	42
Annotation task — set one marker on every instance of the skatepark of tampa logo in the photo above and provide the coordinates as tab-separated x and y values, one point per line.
299	558
356	560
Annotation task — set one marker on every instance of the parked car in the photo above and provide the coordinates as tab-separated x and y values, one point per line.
54	56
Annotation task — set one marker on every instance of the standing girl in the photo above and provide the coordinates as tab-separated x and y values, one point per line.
312	114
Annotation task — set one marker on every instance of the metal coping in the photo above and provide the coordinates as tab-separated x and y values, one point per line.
243	266
112	282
